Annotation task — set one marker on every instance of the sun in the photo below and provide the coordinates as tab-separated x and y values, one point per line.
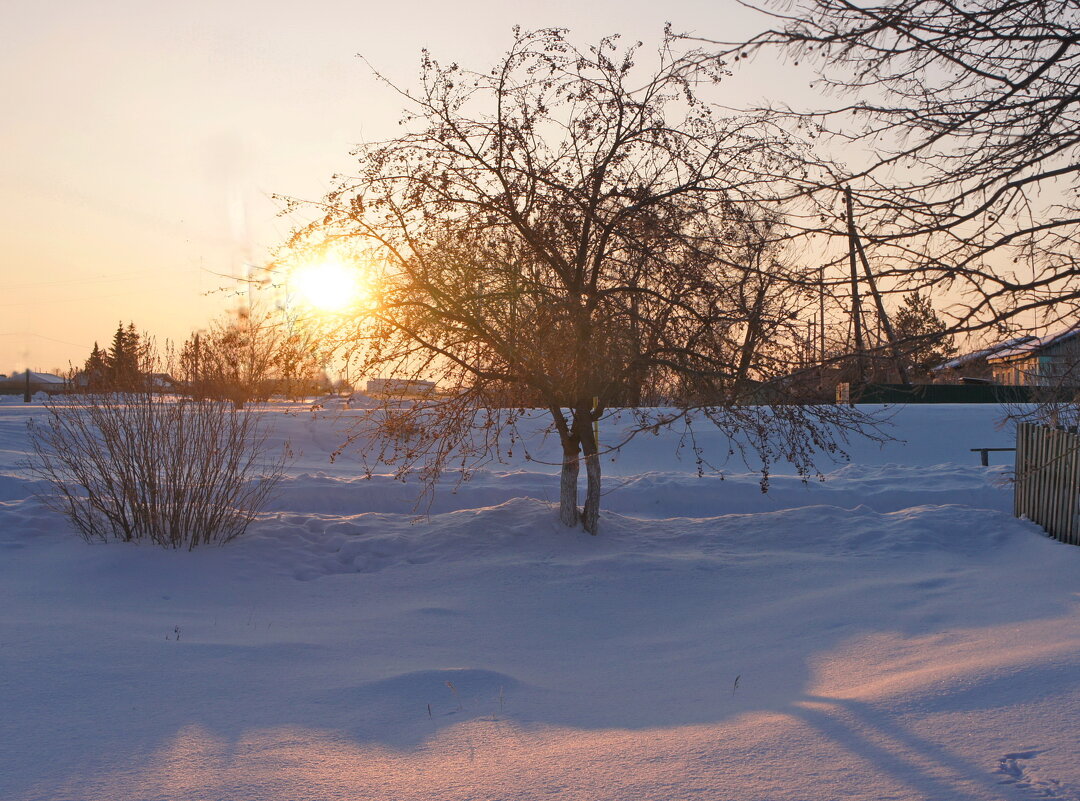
328	285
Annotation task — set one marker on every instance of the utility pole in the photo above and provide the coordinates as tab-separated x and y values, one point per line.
821	312
883	317
26	392
856	306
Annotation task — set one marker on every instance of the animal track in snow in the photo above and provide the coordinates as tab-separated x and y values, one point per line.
1021	775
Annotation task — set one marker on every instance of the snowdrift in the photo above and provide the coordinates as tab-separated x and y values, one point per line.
891	632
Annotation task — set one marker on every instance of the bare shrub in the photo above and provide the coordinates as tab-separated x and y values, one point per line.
146	466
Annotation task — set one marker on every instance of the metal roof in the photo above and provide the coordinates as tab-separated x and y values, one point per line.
1036	344
985	353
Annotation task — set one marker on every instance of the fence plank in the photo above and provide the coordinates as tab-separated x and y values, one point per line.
1046	477
1025	468
1046	454
1064	496
1037	456
1018	476
1072	535
1061	486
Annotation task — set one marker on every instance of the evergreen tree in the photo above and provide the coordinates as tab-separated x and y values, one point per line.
196	365
123	359
96	368
923	335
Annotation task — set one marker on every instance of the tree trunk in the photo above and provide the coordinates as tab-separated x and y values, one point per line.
590	515
583	427
568	482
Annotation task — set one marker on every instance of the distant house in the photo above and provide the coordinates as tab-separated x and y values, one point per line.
98	380
1049	361
39	382
84	379
401	387
974	365
161	381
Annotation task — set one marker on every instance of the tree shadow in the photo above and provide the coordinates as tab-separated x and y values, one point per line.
875	737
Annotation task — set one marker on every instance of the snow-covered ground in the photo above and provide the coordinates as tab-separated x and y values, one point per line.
891	633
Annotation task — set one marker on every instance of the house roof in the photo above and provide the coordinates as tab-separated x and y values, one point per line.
17	380
985	353
44	378
1036	344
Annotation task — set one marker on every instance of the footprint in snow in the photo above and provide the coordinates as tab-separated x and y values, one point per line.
1021	775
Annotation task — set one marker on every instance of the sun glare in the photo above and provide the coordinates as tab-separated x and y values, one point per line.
327	286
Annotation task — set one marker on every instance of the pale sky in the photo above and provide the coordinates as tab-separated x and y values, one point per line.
141	140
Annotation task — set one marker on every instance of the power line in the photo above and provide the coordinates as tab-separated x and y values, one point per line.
40	336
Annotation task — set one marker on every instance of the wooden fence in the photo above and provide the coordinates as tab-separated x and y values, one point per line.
1047	487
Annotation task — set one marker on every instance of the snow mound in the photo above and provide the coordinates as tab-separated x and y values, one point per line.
526	531
37	397
442	696
310	546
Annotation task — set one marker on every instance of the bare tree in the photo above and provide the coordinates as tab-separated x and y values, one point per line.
247	356
568	233
969	114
